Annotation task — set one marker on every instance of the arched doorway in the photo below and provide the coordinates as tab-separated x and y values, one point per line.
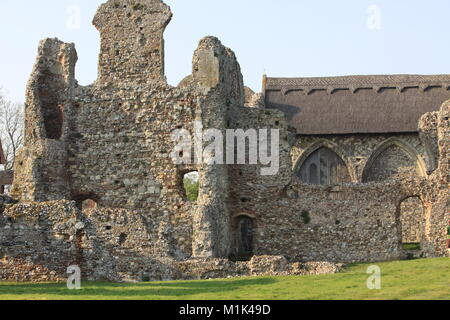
244	237
411	221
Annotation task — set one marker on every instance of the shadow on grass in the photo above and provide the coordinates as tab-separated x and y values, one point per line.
157	289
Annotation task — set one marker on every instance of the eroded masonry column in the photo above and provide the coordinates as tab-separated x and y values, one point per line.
217	74
41	165
132	44
440	213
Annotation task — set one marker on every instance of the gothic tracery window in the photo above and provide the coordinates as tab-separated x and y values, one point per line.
324	167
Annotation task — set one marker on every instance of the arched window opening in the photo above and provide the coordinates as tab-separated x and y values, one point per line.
392	163
411	221
191	186
324	167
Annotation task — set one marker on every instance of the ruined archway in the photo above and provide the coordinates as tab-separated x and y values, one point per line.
411	222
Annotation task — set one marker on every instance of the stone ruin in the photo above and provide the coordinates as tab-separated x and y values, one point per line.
95	184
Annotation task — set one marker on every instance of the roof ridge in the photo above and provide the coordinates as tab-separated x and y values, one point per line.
358	80
354	112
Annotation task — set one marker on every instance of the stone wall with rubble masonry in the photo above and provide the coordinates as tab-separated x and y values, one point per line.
97	187
404	201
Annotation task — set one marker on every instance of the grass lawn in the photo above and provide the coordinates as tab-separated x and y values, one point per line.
411	246
414	279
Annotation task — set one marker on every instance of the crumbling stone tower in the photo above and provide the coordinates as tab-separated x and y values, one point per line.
110	143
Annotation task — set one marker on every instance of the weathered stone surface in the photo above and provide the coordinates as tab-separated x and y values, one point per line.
252	99
97	186
132	44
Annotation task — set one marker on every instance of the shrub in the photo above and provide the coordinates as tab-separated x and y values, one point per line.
191	187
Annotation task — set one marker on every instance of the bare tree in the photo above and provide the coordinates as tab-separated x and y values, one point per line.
11	129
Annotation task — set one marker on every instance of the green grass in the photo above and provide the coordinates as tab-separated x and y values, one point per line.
415	279
411	246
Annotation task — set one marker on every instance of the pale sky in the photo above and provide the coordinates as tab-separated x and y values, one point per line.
282	38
